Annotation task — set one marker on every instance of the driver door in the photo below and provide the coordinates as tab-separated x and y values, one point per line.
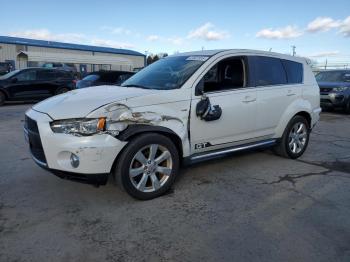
228	86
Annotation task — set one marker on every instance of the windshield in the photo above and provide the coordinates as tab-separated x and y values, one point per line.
8	75
167	73
336	76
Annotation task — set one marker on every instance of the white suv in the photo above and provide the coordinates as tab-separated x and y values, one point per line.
184	108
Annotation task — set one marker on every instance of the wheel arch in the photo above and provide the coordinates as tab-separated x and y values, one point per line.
134	131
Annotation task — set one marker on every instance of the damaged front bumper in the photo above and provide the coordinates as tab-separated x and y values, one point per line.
86	159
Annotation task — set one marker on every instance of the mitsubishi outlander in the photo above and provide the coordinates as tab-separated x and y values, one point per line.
184	108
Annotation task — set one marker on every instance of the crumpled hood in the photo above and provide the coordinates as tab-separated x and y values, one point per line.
80	102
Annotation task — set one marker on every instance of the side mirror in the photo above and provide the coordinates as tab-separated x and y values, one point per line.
14	80
207	112
199	91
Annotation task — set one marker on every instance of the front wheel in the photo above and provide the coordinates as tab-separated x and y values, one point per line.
295	138
148	166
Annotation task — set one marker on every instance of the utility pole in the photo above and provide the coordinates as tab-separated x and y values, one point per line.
293	50
325	66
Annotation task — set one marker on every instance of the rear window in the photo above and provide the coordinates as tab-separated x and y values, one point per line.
294	71
269	71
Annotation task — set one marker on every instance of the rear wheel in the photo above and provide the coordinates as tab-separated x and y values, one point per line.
295	138
2	98
148	166
62	90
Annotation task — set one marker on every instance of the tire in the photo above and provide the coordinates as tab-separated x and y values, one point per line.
2	98
347	107
140	174
61	90
293	143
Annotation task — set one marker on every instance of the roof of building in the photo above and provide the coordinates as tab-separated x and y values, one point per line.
53	44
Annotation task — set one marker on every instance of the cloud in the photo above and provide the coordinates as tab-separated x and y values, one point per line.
207	32
345	27
324	54
280	33
44	34
322	24
117	30
175	40
153	38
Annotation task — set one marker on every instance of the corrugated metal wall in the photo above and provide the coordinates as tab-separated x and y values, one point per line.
44	54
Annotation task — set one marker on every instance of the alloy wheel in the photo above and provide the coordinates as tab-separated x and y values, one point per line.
297	137
150	168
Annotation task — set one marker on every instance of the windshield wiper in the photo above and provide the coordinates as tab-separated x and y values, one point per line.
138	86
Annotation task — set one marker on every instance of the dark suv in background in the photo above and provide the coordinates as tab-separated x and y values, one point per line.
334	89
34	84
104	78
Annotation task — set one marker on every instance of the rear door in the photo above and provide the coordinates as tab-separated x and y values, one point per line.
47	82
274	93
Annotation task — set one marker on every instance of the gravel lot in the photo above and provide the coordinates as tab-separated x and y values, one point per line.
249	207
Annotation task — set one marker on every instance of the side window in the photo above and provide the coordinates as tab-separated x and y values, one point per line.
269	71
28	75
294	71
46	75
225	75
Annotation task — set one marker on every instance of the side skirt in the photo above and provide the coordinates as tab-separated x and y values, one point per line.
228	151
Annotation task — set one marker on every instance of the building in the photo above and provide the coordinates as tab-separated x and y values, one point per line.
22	53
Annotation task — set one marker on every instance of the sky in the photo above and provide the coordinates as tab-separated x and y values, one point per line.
318	29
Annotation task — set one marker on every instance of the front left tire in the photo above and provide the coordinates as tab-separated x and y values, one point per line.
148	166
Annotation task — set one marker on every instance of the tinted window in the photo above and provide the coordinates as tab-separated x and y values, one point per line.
294	71
227	74
269	71
46	75
63	74
28	75
332	76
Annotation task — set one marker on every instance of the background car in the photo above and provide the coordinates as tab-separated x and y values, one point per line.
34	83
334	89
63	66
104	78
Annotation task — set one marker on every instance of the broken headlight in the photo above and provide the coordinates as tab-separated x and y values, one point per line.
83	126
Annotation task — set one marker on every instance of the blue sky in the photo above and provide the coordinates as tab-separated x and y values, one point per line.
320	29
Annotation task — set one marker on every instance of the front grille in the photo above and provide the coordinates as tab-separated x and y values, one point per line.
31	125
325	90
35	145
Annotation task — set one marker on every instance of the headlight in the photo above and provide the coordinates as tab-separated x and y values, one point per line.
340	89
83	126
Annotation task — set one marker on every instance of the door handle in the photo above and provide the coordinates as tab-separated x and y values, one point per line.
248	99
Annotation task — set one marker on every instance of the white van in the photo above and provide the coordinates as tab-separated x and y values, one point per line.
186	108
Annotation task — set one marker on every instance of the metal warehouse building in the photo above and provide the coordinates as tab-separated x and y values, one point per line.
22	53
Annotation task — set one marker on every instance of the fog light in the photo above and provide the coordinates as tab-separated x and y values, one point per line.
74	160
